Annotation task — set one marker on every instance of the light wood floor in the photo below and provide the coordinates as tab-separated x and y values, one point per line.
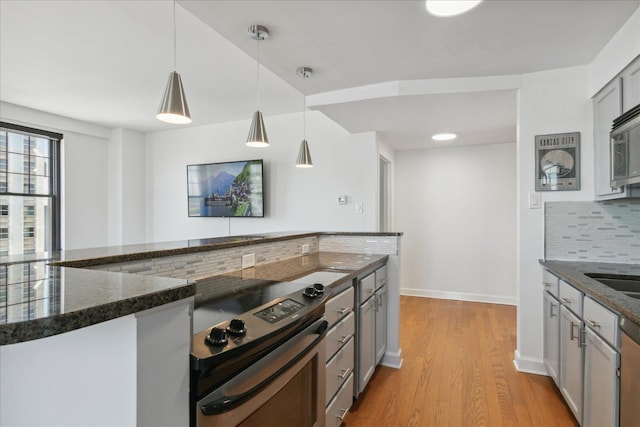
458	371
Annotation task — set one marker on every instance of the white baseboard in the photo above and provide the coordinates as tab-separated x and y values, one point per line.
392	360
529	364
460	296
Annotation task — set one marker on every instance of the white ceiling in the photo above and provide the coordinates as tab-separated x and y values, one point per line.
107	61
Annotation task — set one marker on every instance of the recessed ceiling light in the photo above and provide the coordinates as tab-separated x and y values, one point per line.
444	136
450	7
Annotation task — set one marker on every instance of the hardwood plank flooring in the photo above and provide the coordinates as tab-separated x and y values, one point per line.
458	371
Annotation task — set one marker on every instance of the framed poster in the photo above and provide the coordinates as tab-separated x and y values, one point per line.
558	162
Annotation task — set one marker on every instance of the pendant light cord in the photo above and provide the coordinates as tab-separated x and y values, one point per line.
258	75
304	106
174	36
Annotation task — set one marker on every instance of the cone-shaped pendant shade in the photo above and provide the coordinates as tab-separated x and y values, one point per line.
174	108
304	156
257	132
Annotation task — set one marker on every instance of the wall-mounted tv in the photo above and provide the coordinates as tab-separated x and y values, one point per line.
230	189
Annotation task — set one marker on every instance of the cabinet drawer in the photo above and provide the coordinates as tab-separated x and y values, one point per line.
366	287
381	277
603	321
339	368
550	283
339	334
339	306
571	298
339	406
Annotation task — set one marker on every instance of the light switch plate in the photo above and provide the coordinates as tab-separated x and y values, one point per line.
534	200
305	249
359	207
342	200
248	260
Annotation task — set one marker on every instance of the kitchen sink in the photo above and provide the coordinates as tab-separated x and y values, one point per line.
628	285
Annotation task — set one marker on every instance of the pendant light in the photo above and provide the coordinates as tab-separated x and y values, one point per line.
257	132
304	156
174	108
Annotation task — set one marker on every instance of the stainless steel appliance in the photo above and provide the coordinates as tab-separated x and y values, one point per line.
261	360
629	374
625	149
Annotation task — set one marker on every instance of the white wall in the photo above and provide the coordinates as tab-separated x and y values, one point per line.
127	192
296	199
549	102
85	190
456	206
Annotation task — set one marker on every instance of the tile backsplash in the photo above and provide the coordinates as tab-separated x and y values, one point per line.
593	231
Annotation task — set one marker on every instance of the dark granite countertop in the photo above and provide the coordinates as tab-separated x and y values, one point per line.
573	272
38	300
81	258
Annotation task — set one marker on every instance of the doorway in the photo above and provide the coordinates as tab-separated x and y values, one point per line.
384	215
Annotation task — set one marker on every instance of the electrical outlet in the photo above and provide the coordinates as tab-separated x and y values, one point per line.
359	207
248	260
305	249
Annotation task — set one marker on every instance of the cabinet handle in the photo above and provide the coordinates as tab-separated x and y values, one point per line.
371	290
344	413
344	373
566	300
551	307
383	282
546	285
380	302
343	339
582	342
343	310
571	336
592	323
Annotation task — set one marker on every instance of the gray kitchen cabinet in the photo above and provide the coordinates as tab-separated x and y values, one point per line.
571	361
366	337
381	322
631	85
552	335
607	105
340	348
601	363
372	324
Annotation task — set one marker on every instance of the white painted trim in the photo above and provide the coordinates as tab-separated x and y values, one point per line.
460	296
529	365
392	360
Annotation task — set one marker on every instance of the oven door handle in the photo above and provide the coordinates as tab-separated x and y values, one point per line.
225	403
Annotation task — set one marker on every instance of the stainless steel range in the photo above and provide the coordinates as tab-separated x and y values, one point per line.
258	356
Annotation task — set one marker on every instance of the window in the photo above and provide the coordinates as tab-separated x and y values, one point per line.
30	188
29	232
4	233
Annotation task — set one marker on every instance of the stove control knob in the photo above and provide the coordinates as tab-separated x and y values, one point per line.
217	337
319	287
236	328
310	292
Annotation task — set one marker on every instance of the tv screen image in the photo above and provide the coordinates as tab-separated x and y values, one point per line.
230	189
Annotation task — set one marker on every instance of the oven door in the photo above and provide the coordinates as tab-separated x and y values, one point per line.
284	388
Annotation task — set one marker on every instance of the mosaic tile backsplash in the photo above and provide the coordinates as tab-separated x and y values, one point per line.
210	263
382	245
593	231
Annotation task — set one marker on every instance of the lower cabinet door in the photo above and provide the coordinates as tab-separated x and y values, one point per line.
571	361
339	406
551	335
601	364
381	323
366	343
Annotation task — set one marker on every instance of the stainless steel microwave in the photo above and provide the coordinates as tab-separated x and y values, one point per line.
625	149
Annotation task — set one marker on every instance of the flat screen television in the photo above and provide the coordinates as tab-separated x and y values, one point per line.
229	189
